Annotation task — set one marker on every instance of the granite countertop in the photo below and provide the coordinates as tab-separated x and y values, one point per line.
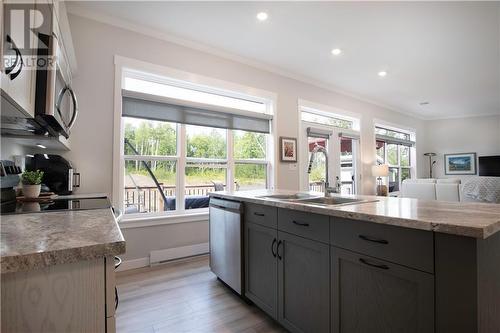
37	240
478	220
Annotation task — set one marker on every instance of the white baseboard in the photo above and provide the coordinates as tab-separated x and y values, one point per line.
158	256
133	264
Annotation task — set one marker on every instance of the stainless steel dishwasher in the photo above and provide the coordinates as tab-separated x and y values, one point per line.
226	250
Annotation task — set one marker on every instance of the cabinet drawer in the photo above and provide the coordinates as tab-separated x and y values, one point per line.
312	226
409	247
260	214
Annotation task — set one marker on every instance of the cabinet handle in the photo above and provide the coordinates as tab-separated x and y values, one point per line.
259	214
374	240
18	61
217	206
278	250
302	224
118	260
381	266
117	299
272	248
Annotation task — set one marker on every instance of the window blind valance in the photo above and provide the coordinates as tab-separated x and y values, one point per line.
318	133
391	140
349	135
153	107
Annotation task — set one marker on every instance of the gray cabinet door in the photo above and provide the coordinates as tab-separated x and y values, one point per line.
371	295
261	271
304	284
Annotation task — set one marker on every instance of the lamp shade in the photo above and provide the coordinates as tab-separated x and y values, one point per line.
381	170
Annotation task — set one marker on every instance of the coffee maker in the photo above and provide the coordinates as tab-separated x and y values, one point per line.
59	176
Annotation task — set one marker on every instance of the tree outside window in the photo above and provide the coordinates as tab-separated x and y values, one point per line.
206	163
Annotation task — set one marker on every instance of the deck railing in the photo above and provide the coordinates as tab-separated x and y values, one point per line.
147	199
347	187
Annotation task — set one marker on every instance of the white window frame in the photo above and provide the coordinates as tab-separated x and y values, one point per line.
124	66
412	162
332	112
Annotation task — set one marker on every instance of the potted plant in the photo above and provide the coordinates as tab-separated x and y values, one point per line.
32	181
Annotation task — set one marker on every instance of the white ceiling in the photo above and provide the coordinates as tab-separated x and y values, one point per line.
444	53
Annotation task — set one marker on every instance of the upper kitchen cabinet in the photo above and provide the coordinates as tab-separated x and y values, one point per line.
18	51
38	68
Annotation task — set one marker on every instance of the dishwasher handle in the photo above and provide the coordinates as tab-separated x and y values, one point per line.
228	205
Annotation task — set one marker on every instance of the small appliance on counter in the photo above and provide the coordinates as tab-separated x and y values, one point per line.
9	178
59	175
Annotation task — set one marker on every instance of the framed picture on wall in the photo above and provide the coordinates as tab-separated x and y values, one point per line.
460	164
288	149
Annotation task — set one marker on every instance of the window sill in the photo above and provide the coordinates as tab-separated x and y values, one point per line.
139	221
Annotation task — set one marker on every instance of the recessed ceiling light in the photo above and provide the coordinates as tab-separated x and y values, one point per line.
262	16
336	51
382	73
41	146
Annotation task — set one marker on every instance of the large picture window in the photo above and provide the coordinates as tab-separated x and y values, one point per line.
393	148
171	162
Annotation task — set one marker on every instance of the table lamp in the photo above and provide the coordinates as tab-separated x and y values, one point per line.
380	171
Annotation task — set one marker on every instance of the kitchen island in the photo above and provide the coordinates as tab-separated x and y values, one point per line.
58	271
377	265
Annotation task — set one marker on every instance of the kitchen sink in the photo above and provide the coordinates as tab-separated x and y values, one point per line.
332	201
295	196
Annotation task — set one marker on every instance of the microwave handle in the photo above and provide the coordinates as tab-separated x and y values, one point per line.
75	108
75	104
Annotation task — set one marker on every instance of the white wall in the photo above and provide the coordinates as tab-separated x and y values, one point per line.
479	135
10	148
95	46
140	241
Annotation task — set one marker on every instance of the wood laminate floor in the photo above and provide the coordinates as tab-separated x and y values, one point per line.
184	297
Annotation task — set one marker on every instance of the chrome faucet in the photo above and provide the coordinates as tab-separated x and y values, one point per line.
321	149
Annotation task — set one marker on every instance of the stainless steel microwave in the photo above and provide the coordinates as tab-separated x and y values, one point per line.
56	106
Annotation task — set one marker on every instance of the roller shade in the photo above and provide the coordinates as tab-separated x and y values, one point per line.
153	107
349	135
391	140
318	133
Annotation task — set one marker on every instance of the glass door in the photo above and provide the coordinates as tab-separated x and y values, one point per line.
317	175
348	164
314	180
345	161
343	158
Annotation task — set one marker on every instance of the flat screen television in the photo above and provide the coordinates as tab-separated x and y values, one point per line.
489	166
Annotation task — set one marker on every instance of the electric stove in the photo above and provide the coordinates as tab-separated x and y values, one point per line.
63	204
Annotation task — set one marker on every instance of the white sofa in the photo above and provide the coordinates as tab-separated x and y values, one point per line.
432	189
